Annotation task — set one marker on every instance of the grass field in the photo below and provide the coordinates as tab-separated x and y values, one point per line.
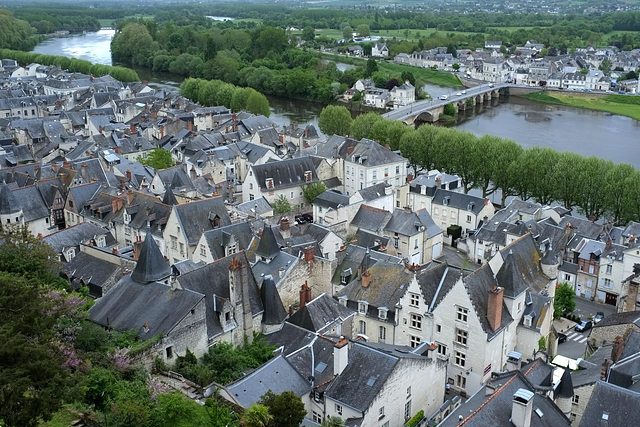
623	105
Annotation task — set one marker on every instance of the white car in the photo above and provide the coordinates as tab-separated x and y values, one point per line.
459	94
464	92
444	97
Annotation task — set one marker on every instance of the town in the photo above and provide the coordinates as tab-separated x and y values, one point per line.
392	297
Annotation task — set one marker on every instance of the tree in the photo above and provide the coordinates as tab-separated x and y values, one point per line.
132	39
332	421
281	205
308	33
313	190
257	103
362	126
372	67
286	408
256	415
347	33
605	66
336	120
408	75
564	300
456	66
158	158
363	30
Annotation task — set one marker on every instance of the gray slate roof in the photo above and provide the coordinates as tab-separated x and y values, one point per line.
274	312
197	217
285	173
151	264
73	236
611	405
478	285
218	238
320	313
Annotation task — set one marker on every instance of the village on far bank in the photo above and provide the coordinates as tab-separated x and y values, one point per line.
391	298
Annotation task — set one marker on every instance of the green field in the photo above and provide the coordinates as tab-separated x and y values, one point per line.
623	105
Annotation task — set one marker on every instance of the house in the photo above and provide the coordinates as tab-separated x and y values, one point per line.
379	50
150	302
66	243
612	405
25	207
402	95
281	178
96	270
186	224
368	163
354	51
492	44
224	241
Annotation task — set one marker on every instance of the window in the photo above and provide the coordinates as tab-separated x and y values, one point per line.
382	314
397	170
576	399
461	359
608	283
386	172
396	242
251	196
453	215
414	341
408	392
381	412
374	175
347	170
291	195
415	244
251	186
609	268
469	218
462	314
385	424
382	334
461	381
174	242
416	321
461	336
407	410
415	300
363	327
362	307
436	211
317	417
169	351
438	328
442	349
361	174
339	409
203	250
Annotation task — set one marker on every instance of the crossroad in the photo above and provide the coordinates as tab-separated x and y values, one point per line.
578	337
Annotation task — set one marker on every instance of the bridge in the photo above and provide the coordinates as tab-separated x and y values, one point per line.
429	110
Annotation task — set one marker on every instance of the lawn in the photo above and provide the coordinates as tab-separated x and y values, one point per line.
623	105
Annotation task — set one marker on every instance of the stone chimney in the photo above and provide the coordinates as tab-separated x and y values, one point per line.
494	307
128	175
616	350
608	244
285	225
129	197
522	408
116	205
308	253
632	294
605	368
305	294
366	279
239	293
340	356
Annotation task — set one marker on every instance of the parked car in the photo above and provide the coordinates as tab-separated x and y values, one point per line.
585	325
561	338
598	317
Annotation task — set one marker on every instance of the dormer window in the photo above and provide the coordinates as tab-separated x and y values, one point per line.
382	313
363	306
308	176
445	201
127	218
527	319
269	182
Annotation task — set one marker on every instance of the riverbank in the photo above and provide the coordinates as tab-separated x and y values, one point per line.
623	105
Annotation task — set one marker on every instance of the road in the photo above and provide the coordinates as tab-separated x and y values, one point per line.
576	342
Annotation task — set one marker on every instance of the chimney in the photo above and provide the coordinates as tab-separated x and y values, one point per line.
603	371
616	350
366	279
349	150
486	201
632	295
54	167
308	253
136	249
494	307
128	175
129	197
522	408
132	128
192	172
284	224
340	356
116	150
114	205
608	245
305	294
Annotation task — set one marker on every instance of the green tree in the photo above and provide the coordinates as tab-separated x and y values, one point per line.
286	408
333	421
257	103
408	75
313	190
131	40
281	205
564	300
347	33
372	67
256	415
456	66
605	66
363	30
158	158
270	39
362	126
335	120
239	98
308	33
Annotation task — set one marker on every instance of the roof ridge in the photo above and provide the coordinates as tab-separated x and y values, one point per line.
486	402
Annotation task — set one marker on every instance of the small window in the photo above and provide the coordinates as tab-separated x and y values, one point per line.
414	341
576	399
382	314
338	409
469	218
363	327
169	351
442	349
416	321
438	328
381	412
382	333
409	391
461	336
362	307
415	300
461	381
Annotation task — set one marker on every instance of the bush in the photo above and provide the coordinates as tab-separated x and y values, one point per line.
415	419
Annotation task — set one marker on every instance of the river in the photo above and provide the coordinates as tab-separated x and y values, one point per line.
530	124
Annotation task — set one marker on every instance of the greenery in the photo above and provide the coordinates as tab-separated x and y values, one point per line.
14	33
158	158
336	120
313	190
256	415
223	363
542	344
217	92
415	419
564	301
281	205
286	409
623	105
333	421
71	64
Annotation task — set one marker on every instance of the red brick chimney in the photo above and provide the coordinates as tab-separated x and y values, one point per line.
366	279
130	197
350	150
284	224
494	307
128	175
305	294
308	253
603	371
616	350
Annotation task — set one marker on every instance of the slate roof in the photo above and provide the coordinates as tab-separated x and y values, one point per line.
218	238
315	360
268	246
33	205
521	269
373	154
611	405
249	207
129	305
197	217
92	271
276	375
590	370
536	306
212	280
354	256
627	317
290	338
82	193
404	222
495	409
371	219
151	265
177	177
73	236
8	202
436	282
370	240
374	192
274	312
320	313
333	199
478	285
458	200
285	173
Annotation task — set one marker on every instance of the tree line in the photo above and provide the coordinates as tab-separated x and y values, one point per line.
217	92
595	187
73	65
15	33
